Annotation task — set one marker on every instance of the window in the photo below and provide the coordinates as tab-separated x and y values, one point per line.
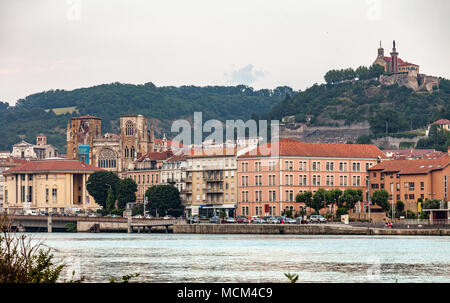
129	128
316	166
245	210
316	180
54	195
6	196
422	185
411	185
329	166
342	166
356	166
47	198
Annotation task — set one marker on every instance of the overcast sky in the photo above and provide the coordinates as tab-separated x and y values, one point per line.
67	44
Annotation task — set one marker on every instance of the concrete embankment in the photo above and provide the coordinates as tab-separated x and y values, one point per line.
307	229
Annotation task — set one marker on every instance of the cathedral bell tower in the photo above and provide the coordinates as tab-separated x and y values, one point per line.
394	61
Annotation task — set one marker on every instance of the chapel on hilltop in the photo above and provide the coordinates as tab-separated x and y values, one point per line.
394	64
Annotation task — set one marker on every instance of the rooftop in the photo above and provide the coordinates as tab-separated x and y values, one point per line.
412	167
61	165
291	147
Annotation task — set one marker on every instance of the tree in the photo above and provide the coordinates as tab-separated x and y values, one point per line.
318	199
125	192
98	184
350	197
110	201
341	211
162	198
363	139
400	206
304	197
380	197
432	204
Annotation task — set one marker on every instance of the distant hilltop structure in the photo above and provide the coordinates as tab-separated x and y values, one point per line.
402	72
394	64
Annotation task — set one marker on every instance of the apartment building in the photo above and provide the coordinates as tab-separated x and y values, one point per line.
268	184
409	180
211	182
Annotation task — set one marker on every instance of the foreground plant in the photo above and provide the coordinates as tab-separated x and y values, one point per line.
292	277
22	261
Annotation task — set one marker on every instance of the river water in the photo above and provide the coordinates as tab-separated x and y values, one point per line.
251	258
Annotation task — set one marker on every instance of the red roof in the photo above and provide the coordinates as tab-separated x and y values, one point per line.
176	158
399	61
54	165
291	147
411	167
442	122
155	156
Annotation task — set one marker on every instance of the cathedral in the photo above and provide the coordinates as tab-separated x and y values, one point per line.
394	64
112	152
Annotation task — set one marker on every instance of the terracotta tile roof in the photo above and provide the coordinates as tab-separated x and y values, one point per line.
291	147
155	156
412	167
442	121
53	165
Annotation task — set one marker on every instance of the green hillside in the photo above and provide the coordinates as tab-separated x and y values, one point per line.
48	112
399	108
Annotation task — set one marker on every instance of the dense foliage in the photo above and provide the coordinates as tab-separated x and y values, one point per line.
362	73
36	113
438	139
390	109
162	198
98	185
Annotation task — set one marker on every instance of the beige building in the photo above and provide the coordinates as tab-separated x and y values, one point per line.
211	182
40	150
5	164
50	185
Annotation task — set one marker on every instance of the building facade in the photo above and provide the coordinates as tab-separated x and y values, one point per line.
268	184
211	182
146	172
50	185
409	180
40	150
173	172
5	164
394	64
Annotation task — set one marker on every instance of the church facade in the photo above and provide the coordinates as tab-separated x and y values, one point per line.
111	152
394	64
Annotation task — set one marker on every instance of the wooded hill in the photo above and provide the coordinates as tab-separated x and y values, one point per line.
48	112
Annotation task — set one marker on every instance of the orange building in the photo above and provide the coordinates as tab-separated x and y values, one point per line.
268	184
409	180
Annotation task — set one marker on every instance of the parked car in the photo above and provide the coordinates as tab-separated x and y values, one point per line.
243	220
287	220
229	220
92	215
168	217
53	213
214	220
138	217
259	221
32	213
195	219
317	219
114	216
148	216
273	220
64	214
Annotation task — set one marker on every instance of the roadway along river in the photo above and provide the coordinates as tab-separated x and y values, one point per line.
252	258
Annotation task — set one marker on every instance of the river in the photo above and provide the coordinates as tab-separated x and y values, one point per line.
251	258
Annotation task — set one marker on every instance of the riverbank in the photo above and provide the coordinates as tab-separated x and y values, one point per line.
302	229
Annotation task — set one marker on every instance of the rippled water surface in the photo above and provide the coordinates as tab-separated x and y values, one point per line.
252	258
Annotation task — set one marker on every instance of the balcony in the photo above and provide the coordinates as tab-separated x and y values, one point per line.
186	190
213	178
214	190
171	180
